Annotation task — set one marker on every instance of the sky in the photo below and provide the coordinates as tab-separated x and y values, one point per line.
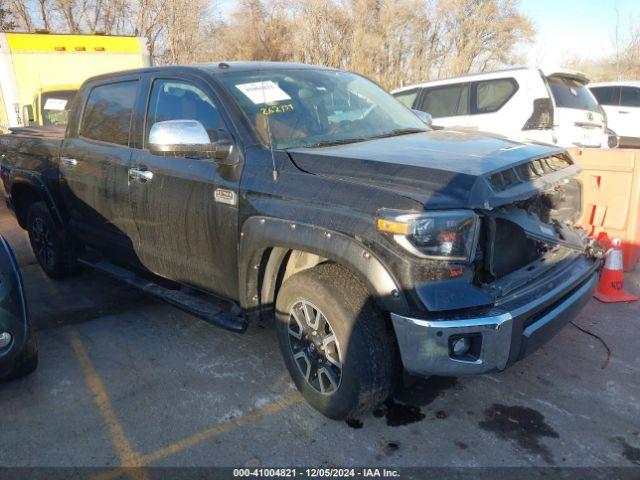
574	27
564	28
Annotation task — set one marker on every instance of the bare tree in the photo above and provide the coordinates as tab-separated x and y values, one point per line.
623	63
6	19
22	15
392	41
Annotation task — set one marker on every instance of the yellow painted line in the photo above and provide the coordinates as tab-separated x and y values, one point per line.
221	428
128	457
193	440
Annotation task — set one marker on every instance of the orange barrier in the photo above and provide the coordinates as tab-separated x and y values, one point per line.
611	198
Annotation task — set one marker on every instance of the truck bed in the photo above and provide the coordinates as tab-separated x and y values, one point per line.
51	132
34	149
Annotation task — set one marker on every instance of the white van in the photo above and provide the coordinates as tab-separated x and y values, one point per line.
621	102
522	103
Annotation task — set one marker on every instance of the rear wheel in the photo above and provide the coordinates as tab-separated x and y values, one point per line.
335	342
53	250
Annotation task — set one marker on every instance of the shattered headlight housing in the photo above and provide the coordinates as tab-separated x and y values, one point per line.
437	235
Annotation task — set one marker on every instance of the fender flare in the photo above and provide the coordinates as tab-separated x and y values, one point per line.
37	184
260	235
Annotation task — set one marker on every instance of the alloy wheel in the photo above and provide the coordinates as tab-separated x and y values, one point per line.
42	243
315	347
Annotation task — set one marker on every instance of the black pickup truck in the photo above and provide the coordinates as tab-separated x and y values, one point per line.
311	196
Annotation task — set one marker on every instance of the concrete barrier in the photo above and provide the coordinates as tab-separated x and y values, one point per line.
611	197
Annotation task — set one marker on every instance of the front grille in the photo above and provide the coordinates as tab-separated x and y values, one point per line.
510	250
526	172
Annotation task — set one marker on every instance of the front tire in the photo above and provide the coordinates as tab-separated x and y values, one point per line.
53	250
337	347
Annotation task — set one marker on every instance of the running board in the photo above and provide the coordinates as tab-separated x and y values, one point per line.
225	314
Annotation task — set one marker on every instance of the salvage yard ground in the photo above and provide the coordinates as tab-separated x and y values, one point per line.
127	380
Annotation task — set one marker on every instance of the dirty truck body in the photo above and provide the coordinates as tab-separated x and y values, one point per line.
377	243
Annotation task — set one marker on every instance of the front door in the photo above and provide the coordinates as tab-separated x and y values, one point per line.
186	208
94	169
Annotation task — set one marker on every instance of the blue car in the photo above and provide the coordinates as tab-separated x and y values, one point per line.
18	349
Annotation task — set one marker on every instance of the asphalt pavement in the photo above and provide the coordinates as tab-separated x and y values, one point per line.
125	380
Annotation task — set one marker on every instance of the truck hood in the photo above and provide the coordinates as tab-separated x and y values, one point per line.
441	168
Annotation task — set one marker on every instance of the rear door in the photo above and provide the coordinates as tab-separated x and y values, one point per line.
489	112
447	104
94	168
577	118
186	212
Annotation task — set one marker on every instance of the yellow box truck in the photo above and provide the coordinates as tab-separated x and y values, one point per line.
40	72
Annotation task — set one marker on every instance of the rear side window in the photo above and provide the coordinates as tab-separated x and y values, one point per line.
407	97
492	95
569	93
446	101
107	114
607	95
630	97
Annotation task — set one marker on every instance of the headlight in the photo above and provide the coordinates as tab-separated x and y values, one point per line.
439	235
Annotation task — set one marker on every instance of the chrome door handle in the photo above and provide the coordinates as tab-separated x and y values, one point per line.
142	176
622	111
69	162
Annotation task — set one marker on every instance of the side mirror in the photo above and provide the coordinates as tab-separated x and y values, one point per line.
424	116
27	115
188	138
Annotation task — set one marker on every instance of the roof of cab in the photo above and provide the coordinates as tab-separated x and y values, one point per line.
216	68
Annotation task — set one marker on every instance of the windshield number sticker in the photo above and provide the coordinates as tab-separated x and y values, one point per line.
55	104
271	109
263	92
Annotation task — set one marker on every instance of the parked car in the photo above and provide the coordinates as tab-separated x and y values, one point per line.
18	349
621	102
311	194
521	103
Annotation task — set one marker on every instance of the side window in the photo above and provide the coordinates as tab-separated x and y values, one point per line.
630	97
107	114
492	95
178	100
607	95
407	97
446	101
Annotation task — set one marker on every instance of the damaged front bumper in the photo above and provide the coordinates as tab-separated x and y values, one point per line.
498	336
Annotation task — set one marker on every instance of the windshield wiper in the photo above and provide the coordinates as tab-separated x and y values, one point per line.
392	133
328	143
399	131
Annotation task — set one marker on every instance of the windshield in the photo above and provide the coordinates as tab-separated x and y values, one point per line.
307	108
569	93
55	107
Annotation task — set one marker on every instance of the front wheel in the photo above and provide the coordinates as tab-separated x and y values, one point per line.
336	345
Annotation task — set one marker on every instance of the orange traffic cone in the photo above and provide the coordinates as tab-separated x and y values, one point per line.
611	286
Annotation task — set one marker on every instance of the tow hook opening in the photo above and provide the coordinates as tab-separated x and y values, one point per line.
465	347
